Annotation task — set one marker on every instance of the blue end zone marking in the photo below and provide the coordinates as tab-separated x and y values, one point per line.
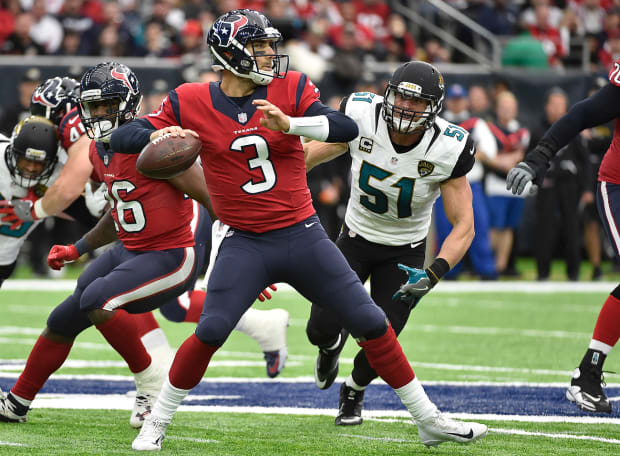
501	400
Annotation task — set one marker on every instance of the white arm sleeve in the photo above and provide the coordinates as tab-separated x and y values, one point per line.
313	127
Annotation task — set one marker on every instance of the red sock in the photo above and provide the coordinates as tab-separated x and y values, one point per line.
196	301
386	357
121	333
145	322
607	329
45	358
190	363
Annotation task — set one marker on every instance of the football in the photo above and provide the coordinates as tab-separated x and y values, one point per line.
168	156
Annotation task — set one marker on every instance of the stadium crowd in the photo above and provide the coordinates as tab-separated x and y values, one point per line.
351	33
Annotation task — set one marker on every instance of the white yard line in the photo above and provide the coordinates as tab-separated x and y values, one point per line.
554	436
10	444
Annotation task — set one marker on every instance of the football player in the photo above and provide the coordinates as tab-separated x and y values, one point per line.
404	157
250	124
28	163
603	106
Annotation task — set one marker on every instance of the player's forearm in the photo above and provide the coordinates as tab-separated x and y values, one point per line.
66	189
317	152
102	233
132	137
458	242
192	183
337	127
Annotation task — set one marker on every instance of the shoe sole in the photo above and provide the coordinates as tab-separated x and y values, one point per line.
572	396
356	421
434	443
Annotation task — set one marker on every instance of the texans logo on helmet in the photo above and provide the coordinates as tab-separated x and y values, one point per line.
226	30
46	97
123	77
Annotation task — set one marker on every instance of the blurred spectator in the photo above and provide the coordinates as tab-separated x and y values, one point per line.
284	17
500	19
399	44
7	20
170	17
564	189
73	18
524	51
363	37
154	97
543	30
71	43
610	51
20	42
479	254
505	209
528	16
434	52
191	39
312	54
479	103
112	37
13	114
590	14
156	42
348	61
373	14
46	29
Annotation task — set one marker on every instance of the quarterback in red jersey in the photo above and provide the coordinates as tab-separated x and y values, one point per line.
254	166
603	106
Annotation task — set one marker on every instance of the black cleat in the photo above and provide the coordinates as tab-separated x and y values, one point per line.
11	410
326	367
586	390
350	406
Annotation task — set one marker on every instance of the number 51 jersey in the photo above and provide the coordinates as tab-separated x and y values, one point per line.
392	193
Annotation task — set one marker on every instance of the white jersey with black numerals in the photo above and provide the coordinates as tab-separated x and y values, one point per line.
392	194
11	240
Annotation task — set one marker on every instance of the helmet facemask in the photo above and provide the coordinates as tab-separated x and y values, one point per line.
407	121
102	115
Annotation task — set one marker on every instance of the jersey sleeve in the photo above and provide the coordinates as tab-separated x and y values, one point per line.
70	129
92	156
306	93
168	113
614	74
466	159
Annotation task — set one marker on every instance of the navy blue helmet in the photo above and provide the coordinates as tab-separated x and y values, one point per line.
32	153
54	98
229	37
109	97
413	80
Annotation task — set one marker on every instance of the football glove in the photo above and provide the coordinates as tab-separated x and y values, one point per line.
19	211
95	200
416	287
265	293
61	254
532	169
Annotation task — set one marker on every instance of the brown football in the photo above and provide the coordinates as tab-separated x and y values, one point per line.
168	156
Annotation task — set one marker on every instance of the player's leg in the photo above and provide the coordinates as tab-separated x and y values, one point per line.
325	277
324	328
65	322
385	278
140	282
586	385
5	271
443	228
480	251
233	286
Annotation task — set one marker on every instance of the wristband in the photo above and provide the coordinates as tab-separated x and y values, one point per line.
37	209
82	246
313	127
437	270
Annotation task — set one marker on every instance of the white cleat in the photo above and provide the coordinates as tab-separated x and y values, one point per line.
148	386
272	337
439	428
151	435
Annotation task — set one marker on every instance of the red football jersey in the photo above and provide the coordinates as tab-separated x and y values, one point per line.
256	177
610	166
149	214
70	129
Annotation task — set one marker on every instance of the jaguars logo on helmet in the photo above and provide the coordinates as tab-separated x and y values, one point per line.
413	80
231	39
110	96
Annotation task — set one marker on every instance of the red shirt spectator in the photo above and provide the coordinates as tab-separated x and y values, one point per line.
549	36
374	15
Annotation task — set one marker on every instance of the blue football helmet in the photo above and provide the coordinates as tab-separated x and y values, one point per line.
109	97
32	153
54	98
228	41
413	79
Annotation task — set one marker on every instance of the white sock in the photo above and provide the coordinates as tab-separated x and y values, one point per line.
415	399
351	384
600	346
168	401
21	400
154	339
266	327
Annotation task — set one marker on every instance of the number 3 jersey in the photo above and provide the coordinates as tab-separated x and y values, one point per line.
11	240
148	214
256	176
392	193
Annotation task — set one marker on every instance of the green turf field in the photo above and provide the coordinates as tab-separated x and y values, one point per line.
475	337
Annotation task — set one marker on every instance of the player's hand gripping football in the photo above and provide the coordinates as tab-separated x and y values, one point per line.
18	211
265	293
61	254
274	118
417	286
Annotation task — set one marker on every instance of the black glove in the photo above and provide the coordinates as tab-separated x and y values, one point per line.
532	169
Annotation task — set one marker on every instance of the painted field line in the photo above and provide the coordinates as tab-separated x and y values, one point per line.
380	439
191	439
445	286
10	444
554	436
